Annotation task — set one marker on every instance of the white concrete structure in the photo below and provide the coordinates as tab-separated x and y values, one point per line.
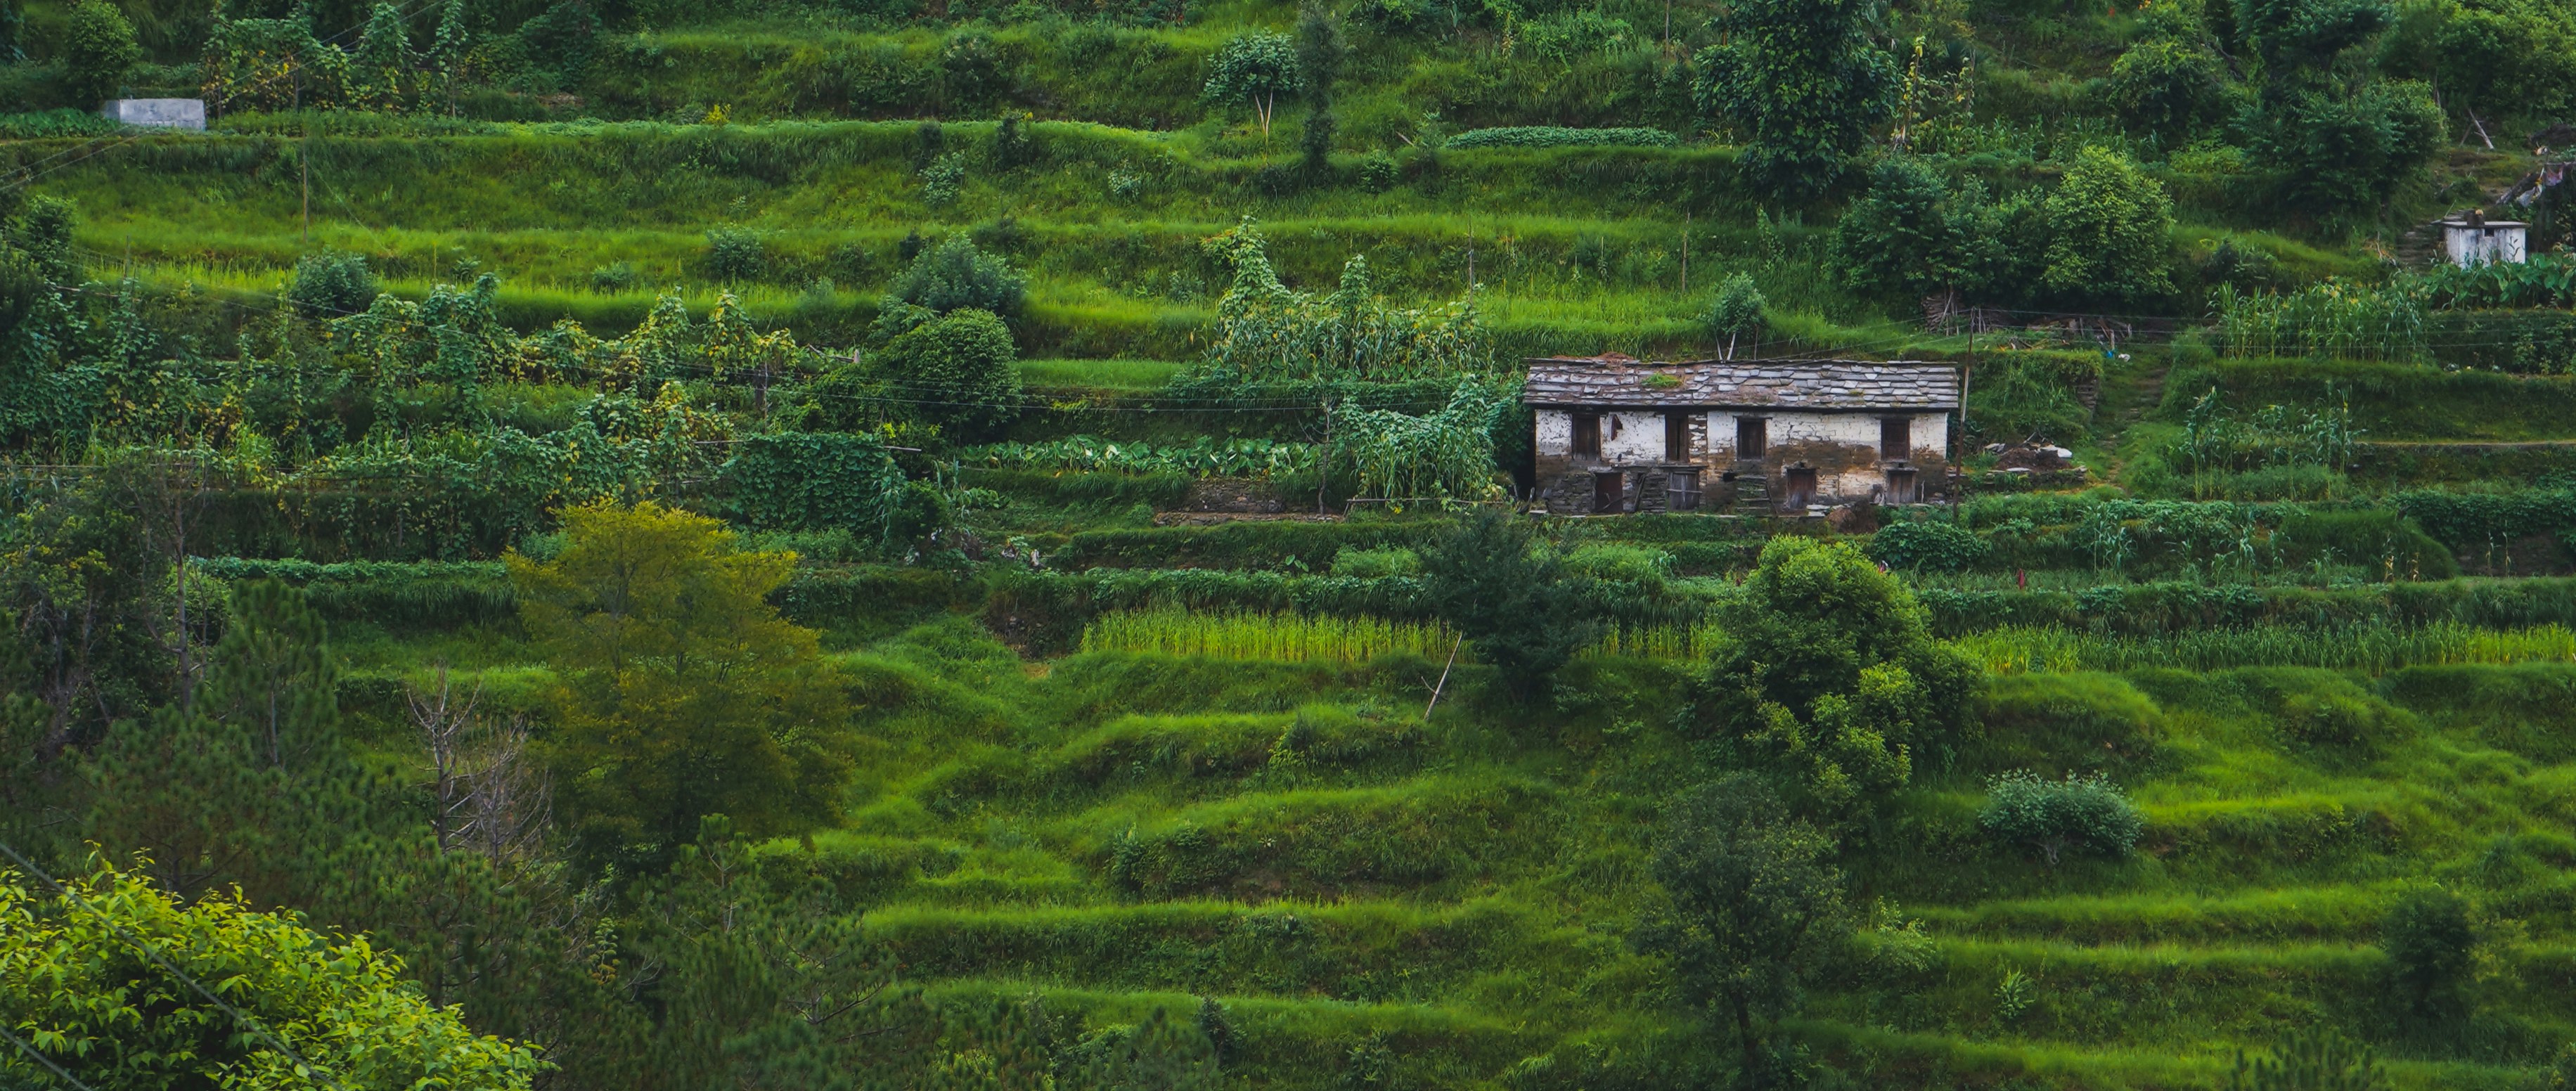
157	113
2476	240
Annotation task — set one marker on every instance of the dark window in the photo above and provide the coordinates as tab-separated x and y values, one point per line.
1677	437
1896	438
1609	492
1587	433
1749	442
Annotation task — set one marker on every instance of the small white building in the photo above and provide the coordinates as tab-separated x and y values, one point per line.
1616	434
2475	240
157	113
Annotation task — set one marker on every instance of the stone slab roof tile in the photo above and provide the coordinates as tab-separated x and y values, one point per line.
1618	381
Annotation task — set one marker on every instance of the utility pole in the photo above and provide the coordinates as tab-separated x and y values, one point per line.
1686	219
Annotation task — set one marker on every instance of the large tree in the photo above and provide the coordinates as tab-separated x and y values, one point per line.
1802	81
1255	67
1514	602
1914	234
1829	671
1753	907
2111	232
681	691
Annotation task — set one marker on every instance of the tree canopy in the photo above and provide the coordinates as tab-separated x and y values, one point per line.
1802	81
109	980
681	691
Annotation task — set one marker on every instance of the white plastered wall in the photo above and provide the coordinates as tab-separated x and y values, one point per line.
1631	437
1555	433
1931	431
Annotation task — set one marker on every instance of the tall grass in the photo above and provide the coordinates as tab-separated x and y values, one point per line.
1288	638
2373	649
1666	641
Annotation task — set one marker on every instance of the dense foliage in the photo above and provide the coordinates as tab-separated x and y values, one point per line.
111	978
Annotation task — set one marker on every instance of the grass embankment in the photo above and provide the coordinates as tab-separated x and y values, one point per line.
1121	831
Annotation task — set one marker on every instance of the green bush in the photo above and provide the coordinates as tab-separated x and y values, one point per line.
330	285
98	50
2083	812
1485	579
736	255
1927	546
956	371
1557	136
2428	938
2111	229
955	274
1377	171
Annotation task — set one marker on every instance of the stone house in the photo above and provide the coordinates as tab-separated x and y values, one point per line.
1616	434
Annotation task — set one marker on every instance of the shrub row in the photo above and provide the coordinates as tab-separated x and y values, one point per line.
1558	136
2180	605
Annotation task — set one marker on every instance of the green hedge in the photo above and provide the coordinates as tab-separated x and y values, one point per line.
1558	136
2148	608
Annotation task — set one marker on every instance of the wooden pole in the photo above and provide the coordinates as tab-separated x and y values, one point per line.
1444	677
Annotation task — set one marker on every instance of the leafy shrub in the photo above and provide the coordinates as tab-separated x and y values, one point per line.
329	284
1914	233
941	179
1376	563
1832	673
811	481
2428	938
614	277
1558	136
1512	601
1927	546
2111	229
1377	171
2090	813
2169	85
956	370
98	50
956	274
1316	141
735	255
1013	144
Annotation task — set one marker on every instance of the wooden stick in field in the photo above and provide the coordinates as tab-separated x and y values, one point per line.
1444	677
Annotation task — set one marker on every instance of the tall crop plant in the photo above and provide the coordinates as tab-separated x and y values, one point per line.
1289	638
2374	649
1267	331
2336	319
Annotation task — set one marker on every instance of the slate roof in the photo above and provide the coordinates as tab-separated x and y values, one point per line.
1615	380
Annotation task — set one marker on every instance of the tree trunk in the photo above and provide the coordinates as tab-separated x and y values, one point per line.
1750	1074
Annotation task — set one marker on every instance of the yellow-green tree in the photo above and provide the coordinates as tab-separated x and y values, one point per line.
682	693
109	980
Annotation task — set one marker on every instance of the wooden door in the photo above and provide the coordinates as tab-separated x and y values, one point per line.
1677	444
1681	490
1902	485
1896	439
1750	437
1609	493
1801	488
